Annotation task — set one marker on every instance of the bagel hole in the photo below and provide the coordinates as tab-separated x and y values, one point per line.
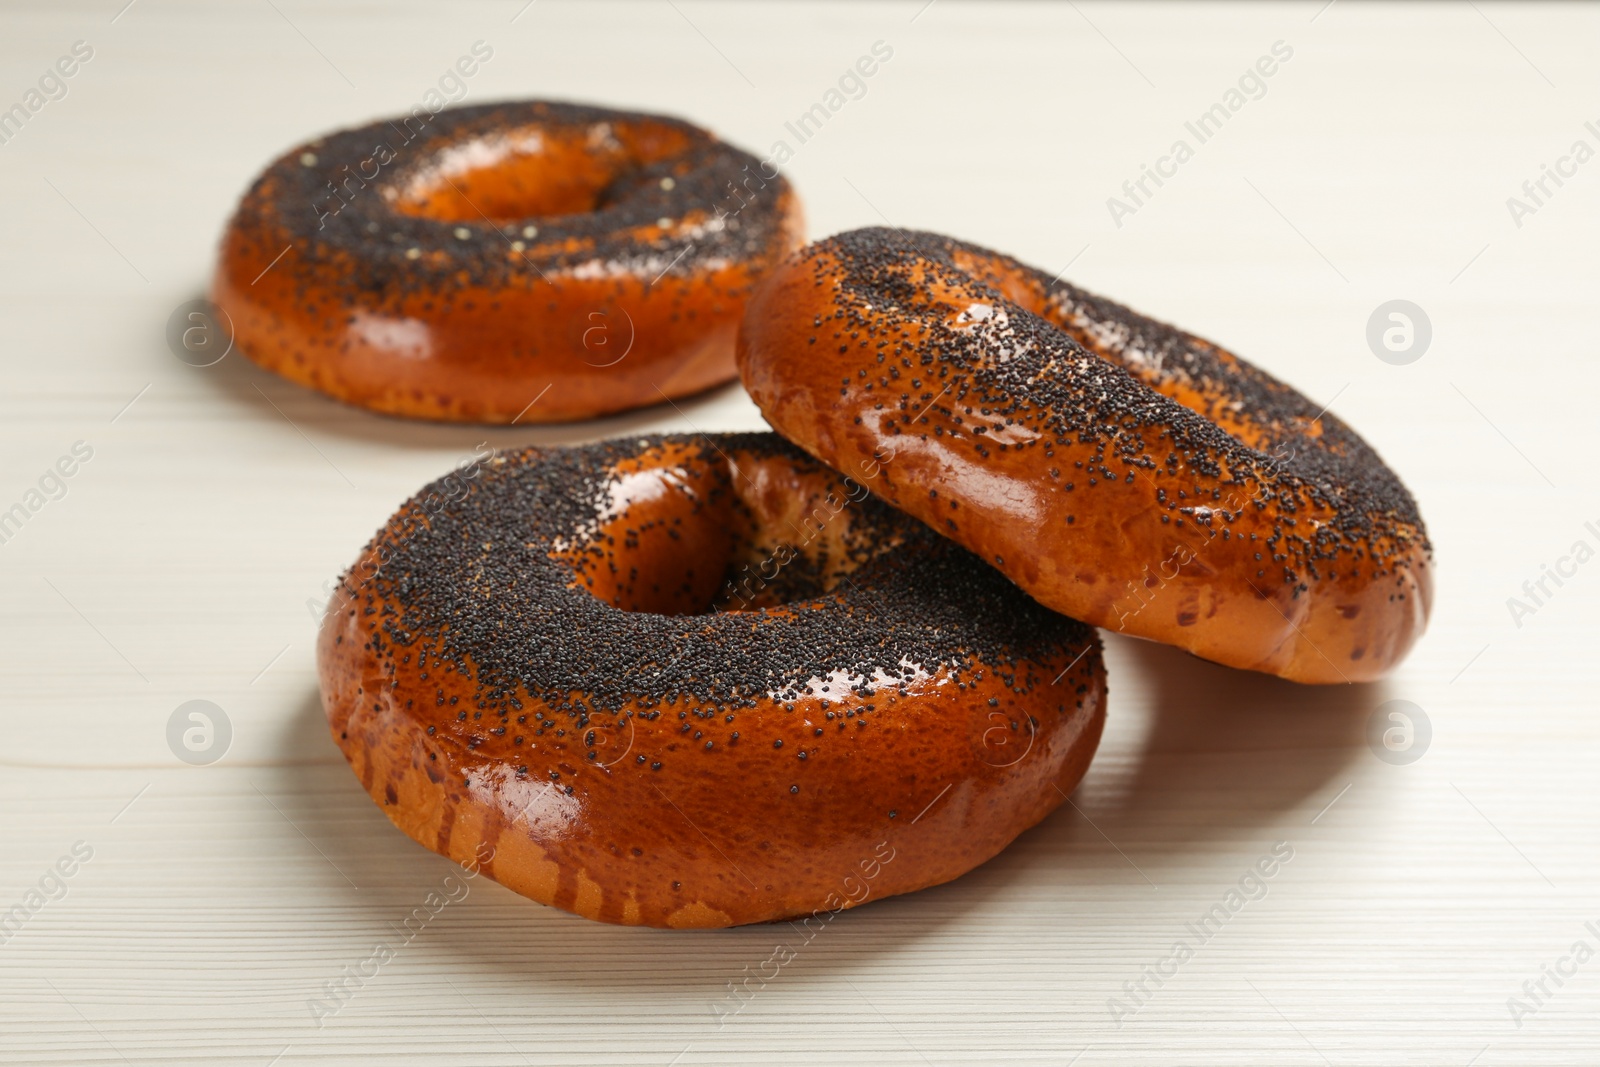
768	570
750	534
799	533
532	173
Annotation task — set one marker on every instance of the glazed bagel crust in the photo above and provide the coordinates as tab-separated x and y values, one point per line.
1119	470
457	266
513	674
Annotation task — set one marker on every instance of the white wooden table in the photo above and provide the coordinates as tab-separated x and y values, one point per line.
1376	163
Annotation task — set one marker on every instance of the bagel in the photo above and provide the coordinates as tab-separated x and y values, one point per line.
462	266
698	682
1119	470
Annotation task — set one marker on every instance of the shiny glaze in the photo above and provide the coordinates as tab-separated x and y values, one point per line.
930	775
1118	470
492	256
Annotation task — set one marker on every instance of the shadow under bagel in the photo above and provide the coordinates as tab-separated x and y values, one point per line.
386	877
1253	745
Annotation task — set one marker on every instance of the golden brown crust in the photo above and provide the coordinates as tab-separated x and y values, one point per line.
886	729
1120	471
593	260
